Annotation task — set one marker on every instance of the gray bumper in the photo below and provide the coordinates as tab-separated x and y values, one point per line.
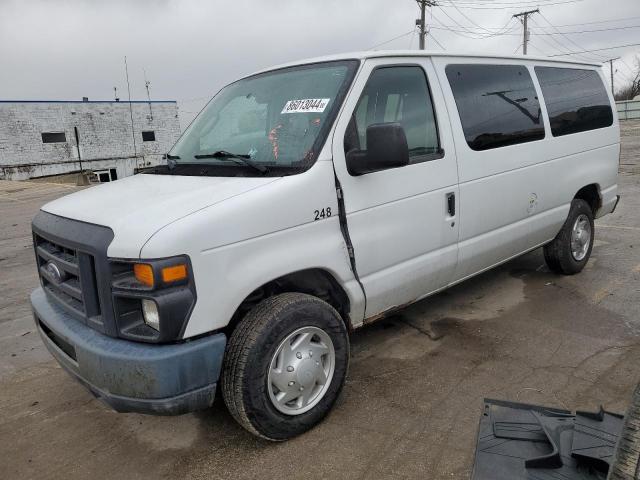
130	376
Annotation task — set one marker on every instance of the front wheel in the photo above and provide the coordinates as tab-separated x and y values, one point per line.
569	252
285	365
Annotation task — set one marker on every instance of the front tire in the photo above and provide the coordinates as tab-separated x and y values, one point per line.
569	252
285	365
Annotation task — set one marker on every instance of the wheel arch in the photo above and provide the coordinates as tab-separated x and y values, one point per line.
313	281
590	194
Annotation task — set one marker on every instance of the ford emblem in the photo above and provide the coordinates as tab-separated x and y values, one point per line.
54	273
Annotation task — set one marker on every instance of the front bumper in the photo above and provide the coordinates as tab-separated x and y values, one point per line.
129	376
615	205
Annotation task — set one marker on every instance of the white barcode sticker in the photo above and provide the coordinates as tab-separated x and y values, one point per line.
313	105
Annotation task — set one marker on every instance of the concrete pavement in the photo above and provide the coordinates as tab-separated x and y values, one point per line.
411	405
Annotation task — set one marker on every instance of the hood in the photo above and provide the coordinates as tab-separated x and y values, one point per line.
138	206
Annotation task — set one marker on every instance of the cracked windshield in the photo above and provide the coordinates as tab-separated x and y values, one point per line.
268	120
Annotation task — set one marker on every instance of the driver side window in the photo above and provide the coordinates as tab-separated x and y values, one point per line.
398	94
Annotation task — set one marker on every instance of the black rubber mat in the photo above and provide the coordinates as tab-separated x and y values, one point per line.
520	441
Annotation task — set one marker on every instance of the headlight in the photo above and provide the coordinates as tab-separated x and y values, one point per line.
150	314
152	298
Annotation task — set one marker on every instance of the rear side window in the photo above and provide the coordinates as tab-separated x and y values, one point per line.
498	105
397	94
576	100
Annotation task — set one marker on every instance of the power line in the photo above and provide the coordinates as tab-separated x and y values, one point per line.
441	26
411	40
514	5
392	39
560	46
503	3
437	42
554	47
565	36
600	21
597	49
613	20
599	29
543	30
539	49
627	66
589	58
468	19
464	29
467	32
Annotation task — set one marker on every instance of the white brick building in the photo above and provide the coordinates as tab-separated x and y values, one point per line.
37	138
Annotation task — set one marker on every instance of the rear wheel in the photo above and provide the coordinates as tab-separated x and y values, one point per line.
569	252
285	365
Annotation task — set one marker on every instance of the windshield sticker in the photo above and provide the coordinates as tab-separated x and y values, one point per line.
315	105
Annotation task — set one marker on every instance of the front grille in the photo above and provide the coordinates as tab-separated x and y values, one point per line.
74	269
68	276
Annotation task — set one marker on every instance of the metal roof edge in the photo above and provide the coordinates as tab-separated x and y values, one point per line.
361	55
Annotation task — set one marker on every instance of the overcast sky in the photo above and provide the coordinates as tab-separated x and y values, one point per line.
67	49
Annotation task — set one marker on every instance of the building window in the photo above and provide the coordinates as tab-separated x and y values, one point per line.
149	136
103	176
498	105
54	137
576	100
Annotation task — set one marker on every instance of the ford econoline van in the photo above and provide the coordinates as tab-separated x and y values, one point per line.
305	201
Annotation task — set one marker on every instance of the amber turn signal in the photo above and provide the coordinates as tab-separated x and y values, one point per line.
143	273
174	273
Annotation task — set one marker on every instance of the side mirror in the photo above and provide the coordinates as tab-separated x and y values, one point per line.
386	148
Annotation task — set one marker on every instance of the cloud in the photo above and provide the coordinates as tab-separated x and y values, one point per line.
66	49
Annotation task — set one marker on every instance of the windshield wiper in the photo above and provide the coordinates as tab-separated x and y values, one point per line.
244	159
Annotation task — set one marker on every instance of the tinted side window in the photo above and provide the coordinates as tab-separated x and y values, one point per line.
397	94
498	105
576	99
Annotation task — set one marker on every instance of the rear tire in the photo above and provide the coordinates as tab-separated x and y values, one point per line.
569	252
257	371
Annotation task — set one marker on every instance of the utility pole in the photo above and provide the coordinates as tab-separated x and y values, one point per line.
421	22
133	133
611	60
147	83
82	178
525	33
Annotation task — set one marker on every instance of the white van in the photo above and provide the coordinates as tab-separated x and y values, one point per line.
305	201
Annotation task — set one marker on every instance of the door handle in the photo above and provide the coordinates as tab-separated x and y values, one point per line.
451	204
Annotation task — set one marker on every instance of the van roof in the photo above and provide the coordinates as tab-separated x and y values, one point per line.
423	53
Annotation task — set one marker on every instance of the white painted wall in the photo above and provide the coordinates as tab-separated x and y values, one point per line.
106	139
